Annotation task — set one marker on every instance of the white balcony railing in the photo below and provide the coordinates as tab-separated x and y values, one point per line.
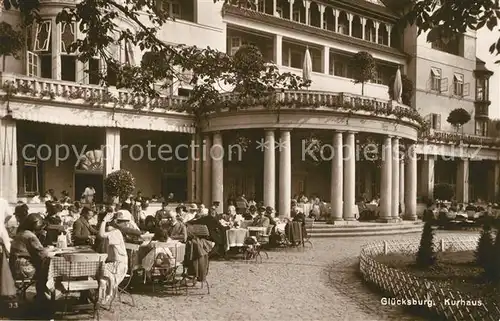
84	94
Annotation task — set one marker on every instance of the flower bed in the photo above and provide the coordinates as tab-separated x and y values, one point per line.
407	284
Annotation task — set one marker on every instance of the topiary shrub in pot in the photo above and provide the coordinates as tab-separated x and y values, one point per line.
119	185
444	192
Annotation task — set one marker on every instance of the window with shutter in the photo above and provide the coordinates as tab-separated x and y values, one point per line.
42	36
235	44
32	64
436	79
458	85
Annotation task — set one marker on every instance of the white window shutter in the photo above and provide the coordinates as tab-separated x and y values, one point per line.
438	125
32	69
41	28
444	85
466	90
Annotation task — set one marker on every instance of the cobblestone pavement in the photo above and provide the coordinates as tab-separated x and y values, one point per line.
318	283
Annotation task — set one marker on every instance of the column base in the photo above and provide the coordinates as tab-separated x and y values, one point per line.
344	222
388	220
334	220
410	218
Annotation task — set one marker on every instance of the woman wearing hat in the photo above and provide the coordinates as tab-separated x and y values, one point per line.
27	254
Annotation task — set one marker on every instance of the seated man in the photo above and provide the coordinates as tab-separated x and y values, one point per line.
83	232
261	220
162	214
175	228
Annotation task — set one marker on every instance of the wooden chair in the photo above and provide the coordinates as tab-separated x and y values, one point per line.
309	223
84	274
167	274
199	230
124	285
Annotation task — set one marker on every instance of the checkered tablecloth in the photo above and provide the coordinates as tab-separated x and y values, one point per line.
57	268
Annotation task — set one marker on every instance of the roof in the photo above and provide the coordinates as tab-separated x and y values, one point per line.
481	68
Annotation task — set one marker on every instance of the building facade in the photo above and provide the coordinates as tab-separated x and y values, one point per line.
51	102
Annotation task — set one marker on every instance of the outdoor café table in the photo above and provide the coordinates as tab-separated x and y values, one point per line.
137	252
235	237
281	227
57	266
257	230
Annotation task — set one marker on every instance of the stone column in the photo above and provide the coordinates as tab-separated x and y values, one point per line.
8	160
377	26
56	50
337	186
386	181
411	184
112	152
326	60
274	7
463	181
428	176
217	154
363	26
269	170
395	178
336	12
349	177
207	171
350	17
496	180
321	8
402	185
307	6
191	170
278	50
285	174
389	30
198	168
291	2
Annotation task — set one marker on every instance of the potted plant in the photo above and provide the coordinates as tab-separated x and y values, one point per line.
118	185
363	68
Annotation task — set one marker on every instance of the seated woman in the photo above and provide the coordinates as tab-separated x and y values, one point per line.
27	254
117	262
150	224
158	255
252	212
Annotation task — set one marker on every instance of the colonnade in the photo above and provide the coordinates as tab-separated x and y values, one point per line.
398	177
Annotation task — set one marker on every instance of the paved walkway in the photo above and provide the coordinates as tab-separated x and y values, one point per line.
312	284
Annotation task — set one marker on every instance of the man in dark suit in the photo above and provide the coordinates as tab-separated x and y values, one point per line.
83	232
261	220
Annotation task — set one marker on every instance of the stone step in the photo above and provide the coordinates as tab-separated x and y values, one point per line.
324	225
365	233
363	229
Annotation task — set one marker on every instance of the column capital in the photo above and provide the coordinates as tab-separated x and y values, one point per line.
376	24
322	8
363	21
350	16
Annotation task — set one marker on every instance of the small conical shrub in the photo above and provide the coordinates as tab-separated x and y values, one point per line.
492	270
426	255
485	248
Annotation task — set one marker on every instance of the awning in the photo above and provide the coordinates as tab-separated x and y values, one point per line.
436	72
459	77
100	117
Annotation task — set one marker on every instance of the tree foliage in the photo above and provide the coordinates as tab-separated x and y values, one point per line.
444	19
11	42
458	117
101	26
485	248
407	93
363	68
120	183
426	255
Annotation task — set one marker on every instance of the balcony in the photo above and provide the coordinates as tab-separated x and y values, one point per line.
438	136
93	96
